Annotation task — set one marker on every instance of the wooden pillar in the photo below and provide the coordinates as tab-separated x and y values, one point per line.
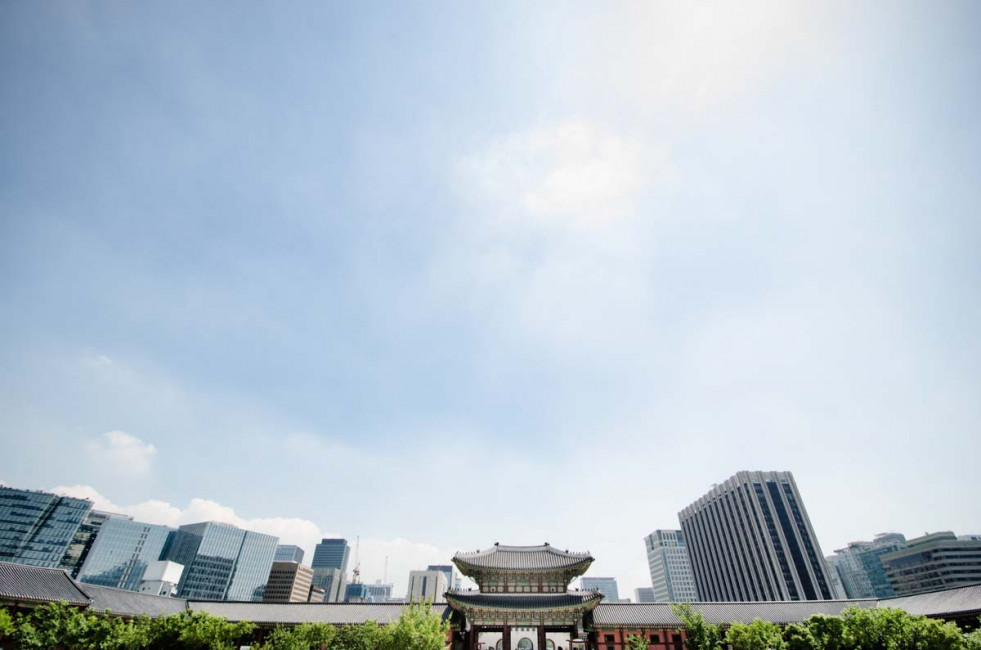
507	637
541	636
474	635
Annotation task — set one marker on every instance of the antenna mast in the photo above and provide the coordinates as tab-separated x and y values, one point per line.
357	561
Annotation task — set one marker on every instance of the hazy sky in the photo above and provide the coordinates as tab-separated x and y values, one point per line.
445	274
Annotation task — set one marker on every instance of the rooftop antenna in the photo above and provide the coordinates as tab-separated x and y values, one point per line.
385	578
357	561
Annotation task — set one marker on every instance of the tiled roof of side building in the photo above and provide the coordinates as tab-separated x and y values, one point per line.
522	558
131	603
523	601
781	612
962	600
19	582
296	613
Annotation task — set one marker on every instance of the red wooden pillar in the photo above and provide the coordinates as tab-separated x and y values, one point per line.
541	636
474	635
507	637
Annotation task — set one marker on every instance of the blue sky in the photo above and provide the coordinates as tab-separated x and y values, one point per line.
445	274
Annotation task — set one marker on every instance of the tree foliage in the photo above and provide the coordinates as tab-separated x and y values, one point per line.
758	635
636	642
699	635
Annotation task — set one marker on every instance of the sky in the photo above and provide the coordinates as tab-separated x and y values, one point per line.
437	275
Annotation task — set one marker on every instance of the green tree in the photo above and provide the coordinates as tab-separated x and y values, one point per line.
636	642
202	631
828	632
418	628
798	637
6	624
309	636
52	625
972	640
758	635
699	635
359	637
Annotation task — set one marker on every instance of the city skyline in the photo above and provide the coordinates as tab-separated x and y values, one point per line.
378	247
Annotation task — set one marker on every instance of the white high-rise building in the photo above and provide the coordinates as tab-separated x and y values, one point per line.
428	586
670	566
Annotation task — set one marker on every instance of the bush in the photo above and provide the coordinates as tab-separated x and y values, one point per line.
758	635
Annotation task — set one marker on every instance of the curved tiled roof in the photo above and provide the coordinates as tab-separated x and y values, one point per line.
521	558
780	612
962	600
131	603
19	582
296	613
523	601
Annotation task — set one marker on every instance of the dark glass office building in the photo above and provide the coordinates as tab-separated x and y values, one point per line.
331	554
222	562
289	553
36	528
750	539
121	552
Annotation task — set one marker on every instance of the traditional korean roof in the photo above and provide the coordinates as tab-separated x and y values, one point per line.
537	601
22	583
131	603
948	602
780	612
521	558
296	613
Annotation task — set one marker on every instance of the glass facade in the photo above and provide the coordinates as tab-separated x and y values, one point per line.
331	554
289	553
36	528
121	552
222	562
84	538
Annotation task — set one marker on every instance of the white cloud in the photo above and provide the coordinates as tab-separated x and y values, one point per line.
402	555
573	172
121	452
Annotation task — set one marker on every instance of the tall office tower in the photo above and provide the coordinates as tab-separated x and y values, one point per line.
750	539
331	554
122	551
429	586
380	593
84	538
670	566
289	582
36	528
859	566
222	562
288	553
644	595
606	586
449	571
934	561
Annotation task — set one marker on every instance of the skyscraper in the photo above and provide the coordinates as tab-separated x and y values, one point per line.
84	538
606	586
289	582
288	553
121	552
330	567
36	528
750	538
222	562
860	569
670	566
449	571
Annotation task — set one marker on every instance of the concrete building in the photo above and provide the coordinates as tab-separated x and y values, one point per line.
289	582
934	561
36	528
317	595
670	567
644	595
837	587
429	586
222	562
288	553
452	577
606	586
749	538
161	578
332	582
121	552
